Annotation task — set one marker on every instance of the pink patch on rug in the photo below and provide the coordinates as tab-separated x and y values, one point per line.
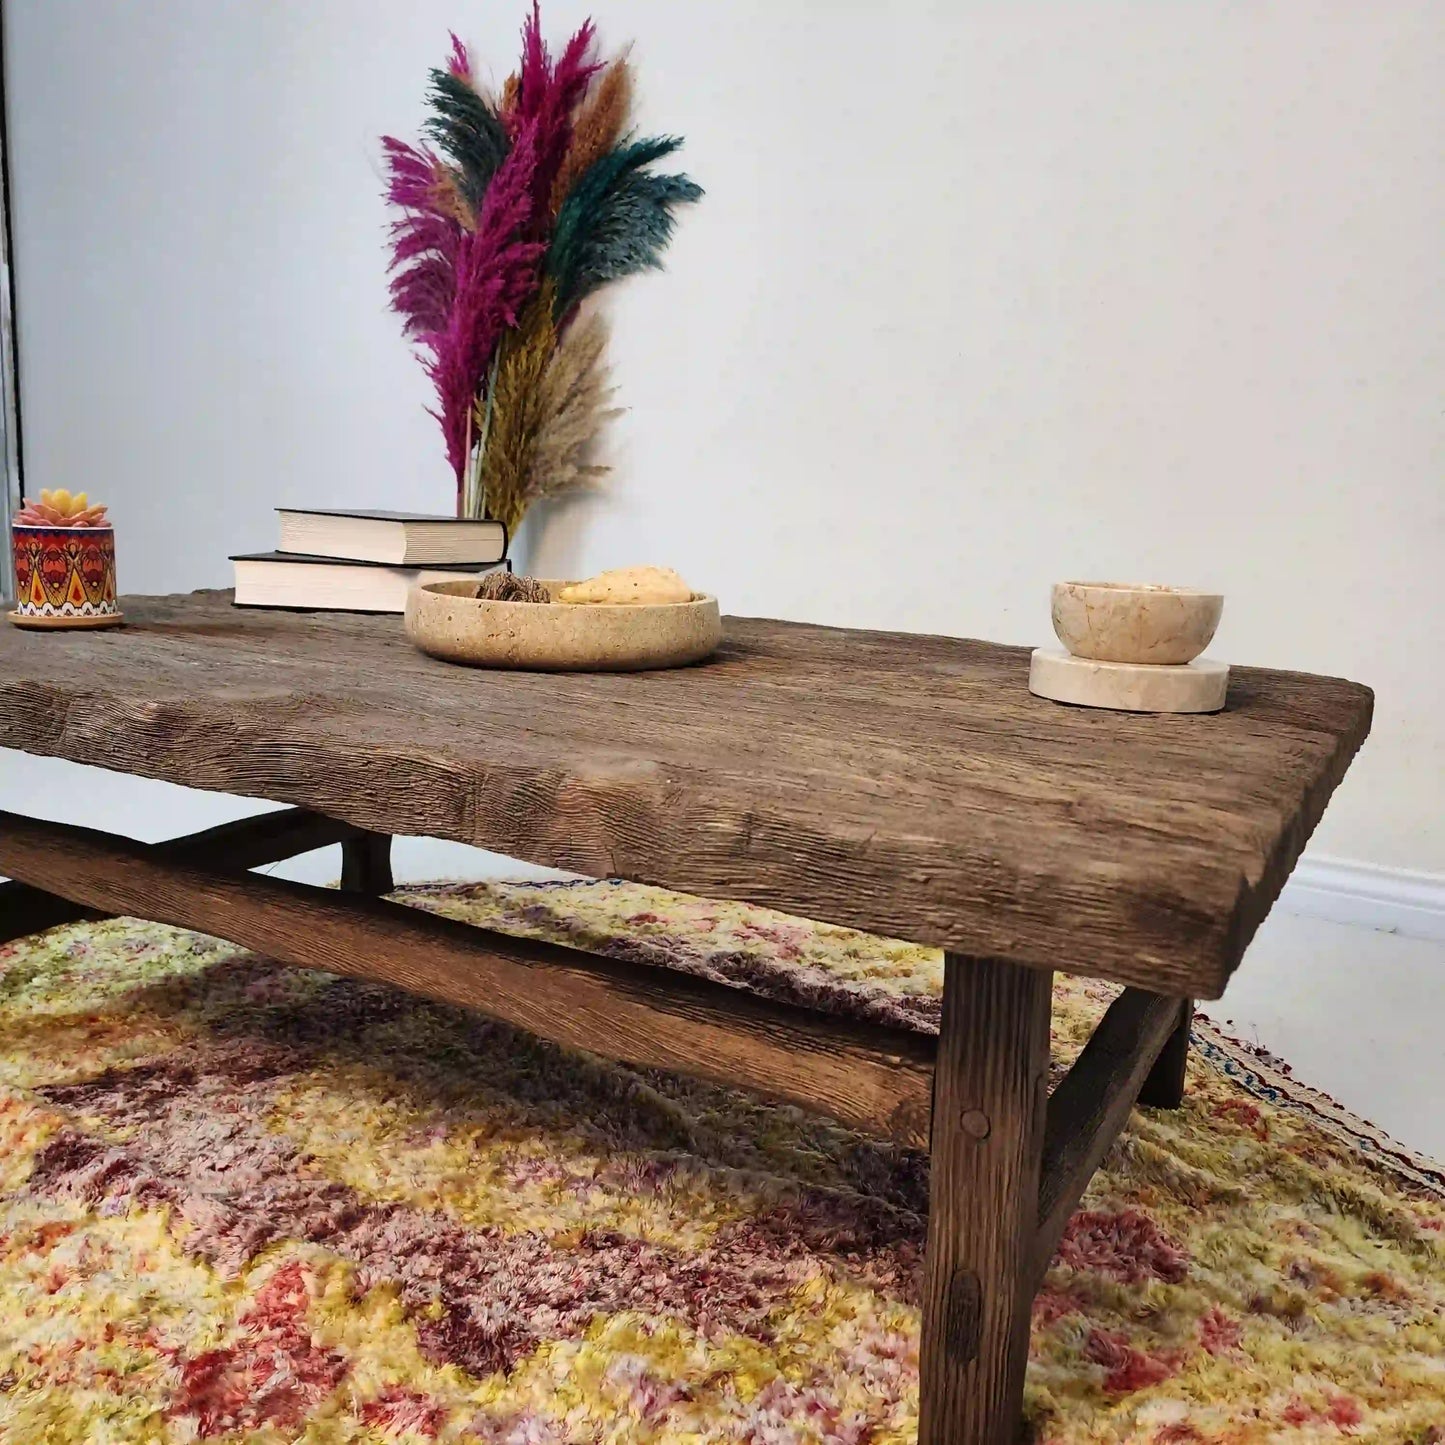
650	1397
399	1411
1051	1305
45	1236
1341	1411
775	1409
274	1375
1384	1285
1242	1112
1218	1333
1129	1369
1345	1411
785	940
1127	1246
526	1428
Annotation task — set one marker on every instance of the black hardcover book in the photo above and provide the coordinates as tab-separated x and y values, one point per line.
400	539
294	580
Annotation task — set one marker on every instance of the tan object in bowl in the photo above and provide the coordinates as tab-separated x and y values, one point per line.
629	586
448	621
1129	622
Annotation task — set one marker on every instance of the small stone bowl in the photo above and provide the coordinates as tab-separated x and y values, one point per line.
449	621
1135	622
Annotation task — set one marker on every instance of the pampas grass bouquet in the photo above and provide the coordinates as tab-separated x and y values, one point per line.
515	209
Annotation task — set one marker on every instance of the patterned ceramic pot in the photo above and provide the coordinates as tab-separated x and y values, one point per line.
64	577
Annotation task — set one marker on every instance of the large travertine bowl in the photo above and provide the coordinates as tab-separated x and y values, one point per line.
447	620
1135	622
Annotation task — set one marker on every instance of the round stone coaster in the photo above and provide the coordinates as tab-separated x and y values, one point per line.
1197	686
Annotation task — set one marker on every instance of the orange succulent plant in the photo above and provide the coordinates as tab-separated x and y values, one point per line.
60	509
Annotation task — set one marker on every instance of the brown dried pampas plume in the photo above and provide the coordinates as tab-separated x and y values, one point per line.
512	411
447	194
547	403
511	89
598	125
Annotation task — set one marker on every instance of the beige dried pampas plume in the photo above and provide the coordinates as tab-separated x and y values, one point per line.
573	405
548	401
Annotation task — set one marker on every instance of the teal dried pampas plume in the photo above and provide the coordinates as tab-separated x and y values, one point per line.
617	220
466	128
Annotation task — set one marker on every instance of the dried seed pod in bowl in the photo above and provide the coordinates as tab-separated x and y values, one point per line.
508	587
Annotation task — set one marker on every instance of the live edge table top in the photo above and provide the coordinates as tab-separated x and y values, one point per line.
904	784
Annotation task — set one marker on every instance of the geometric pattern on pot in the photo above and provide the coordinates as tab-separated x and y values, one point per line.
64	571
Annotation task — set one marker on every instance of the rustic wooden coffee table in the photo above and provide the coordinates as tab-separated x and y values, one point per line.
906	785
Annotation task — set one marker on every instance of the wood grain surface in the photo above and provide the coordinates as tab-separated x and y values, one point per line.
989	1098
874	1078
905	784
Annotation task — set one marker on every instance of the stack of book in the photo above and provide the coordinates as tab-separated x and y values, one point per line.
364	561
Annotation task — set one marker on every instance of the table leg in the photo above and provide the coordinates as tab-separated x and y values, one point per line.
990	1095
1164	1088
366	864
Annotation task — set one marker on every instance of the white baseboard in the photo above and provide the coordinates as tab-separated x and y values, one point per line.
1390	900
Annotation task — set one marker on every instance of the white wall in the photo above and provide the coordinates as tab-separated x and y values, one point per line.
982	295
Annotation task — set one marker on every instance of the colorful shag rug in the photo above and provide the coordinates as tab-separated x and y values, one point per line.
248	1203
